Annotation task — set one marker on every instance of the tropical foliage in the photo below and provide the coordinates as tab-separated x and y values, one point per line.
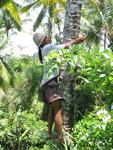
9	19
51	9
10	15
98	22
23	115
95	131
90	68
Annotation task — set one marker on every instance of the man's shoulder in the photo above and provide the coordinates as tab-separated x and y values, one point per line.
49	46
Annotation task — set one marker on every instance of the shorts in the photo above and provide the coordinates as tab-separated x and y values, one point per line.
51	91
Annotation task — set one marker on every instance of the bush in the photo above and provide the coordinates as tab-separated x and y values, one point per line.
95	131
20	130
91	76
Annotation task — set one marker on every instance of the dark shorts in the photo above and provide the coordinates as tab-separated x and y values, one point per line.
51	91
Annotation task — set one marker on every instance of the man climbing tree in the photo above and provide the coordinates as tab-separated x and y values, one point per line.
50	88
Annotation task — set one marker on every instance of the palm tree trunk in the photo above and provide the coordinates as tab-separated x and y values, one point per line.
72	19
71	30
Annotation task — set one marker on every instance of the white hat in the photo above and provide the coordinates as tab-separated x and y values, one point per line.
38	38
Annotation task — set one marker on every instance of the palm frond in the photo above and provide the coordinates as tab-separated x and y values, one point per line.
11	7
3	40
108	11
12	22
62	3
98	16
27	7
2	3
19	6
5	76
40	18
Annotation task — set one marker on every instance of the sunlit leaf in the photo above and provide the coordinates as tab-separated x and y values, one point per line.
26	8
13	11
5	76
39	18
106	56
102	75
111	63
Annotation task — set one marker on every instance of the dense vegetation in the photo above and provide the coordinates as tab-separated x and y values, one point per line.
23	115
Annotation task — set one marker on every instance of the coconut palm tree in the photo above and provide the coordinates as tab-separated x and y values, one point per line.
72	19
71	30
96	16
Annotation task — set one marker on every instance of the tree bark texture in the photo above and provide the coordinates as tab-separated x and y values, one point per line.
72	19
71	30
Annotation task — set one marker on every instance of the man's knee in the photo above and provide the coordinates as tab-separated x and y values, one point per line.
56	105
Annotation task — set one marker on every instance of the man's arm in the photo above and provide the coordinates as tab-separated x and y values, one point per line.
78	40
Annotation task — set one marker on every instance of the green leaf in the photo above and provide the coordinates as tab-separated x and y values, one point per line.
24	134
39	18
26	8
102	75
10	6
106	56
2	3
5	76
86	80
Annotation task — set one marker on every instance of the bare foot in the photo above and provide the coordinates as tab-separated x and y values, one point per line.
60	140
49	136
53	137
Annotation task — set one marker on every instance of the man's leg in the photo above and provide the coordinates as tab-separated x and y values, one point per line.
50	122
57	107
